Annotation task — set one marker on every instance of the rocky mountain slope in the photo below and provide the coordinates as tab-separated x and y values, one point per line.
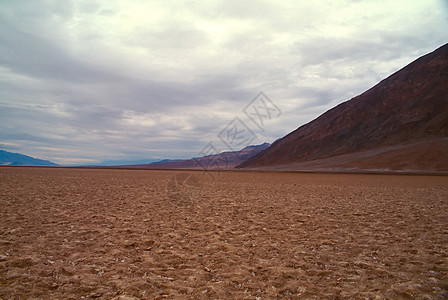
399	124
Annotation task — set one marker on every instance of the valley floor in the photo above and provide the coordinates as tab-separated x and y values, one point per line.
104	233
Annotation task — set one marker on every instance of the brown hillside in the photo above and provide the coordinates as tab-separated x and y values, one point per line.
408	107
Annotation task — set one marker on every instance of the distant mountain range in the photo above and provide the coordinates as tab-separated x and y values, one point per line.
118	162
224	160
17	159
400	124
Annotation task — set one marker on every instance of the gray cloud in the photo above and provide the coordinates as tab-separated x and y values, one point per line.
83	81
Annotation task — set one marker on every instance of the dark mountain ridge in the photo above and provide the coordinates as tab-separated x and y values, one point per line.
224	160
408	107
17	159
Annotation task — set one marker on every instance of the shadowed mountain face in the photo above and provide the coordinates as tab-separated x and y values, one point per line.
407	109
224	160
17	159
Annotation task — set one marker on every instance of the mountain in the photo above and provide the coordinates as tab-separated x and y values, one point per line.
224	160
117	162
17	159
400	124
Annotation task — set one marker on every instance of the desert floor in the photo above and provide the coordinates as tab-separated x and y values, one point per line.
103	233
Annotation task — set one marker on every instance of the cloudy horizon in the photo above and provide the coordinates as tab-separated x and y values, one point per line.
88	81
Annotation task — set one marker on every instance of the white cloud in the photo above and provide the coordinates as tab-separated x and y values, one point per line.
94	80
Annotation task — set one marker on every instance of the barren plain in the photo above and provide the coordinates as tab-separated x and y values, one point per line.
69	233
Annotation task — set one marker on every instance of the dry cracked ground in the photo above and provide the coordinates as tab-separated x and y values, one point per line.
69	233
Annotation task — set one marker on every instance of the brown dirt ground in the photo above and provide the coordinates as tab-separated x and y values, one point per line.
97	233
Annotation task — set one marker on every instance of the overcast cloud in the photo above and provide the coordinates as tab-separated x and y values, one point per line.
86	81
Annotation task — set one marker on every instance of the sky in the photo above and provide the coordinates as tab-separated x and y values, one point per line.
87	81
